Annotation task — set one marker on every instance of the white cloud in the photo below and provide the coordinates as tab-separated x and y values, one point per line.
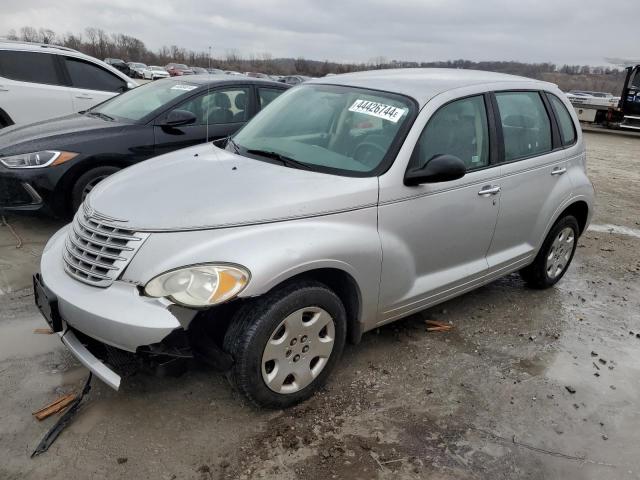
561	31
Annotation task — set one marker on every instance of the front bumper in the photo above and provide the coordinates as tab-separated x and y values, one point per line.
118	315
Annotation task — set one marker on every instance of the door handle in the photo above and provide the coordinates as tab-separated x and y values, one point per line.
489	190
3	88
84	97
558	171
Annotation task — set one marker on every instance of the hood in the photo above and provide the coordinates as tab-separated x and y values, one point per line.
62	133
206	187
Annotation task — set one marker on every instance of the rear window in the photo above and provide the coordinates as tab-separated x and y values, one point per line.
525	124
92	77
565	122
29	67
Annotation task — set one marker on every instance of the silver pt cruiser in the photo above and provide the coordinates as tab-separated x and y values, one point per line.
348	203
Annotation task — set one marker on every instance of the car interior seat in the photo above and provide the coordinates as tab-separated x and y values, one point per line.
221	111
241	104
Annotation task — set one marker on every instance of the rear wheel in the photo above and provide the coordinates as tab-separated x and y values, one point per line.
87	182
554	256
286	344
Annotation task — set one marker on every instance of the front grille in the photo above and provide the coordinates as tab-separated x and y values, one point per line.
96	251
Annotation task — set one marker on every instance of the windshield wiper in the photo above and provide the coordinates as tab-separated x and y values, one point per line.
286	161
104	116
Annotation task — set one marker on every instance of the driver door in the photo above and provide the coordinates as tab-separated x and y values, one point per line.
219	113
435	236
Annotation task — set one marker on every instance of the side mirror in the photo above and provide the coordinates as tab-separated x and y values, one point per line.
178	118
441	168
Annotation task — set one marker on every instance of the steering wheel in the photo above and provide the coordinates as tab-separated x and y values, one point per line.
365	151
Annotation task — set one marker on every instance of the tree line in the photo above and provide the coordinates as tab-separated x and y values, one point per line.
101	44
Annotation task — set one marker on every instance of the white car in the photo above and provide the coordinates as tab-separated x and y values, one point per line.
41	81
154	72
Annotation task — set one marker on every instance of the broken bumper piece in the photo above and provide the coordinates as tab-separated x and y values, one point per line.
84	356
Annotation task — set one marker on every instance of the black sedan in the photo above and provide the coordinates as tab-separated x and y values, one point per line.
50	166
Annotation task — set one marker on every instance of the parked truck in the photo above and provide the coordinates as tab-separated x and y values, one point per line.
608	111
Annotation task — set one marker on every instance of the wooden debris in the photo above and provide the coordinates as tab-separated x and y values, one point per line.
44	331
434	326
55	406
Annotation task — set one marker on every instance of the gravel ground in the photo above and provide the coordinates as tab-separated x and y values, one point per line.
488	399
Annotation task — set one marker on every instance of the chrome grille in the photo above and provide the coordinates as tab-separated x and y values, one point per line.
96	251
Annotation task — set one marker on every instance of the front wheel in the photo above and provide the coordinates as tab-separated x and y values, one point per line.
86	182
554	256
286	343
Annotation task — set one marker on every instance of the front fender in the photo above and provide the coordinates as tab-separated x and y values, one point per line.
275	252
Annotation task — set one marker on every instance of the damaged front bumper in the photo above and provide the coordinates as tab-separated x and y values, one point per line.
117	316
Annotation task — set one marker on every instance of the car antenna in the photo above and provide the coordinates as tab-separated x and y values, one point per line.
208	100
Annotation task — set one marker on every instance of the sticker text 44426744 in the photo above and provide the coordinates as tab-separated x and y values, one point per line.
380	110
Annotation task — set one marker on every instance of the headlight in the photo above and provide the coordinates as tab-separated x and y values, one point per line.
37	159
199	285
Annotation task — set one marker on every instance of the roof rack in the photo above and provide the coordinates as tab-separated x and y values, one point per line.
37	44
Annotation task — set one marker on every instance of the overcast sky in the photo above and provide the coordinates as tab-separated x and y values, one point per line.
559	31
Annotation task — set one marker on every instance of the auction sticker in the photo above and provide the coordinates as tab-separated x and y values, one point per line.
380	110
186	88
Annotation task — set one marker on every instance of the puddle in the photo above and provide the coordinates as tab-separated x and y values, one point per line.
19	341
607	228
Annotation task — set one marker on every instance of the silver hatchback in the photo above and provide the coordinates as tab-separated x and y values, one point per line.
349	202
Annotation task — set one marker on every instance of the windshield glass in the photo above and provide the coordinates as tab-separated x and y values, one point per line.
141	101
327	127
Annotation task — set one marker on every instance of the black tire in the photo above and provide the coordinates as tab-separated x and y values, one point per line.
536	275
253	326
86	181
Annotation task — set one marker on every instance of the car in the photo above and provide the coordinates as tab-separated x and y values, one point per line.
154	72
232	72
137	69
215	71
294	79
348	203
257	75
120	65
178	69
42	81
199	70
50	166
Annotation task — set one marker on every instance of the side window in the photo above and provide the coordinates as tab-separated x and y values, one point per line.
29	67
268	95
459	128
525	124
219	106
565	122
92	77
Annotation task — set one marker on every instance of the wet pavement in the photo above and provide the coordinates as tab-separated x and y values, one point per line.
528	385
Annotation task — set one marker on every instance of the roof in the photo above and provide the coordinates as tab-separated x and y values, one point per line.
219	78
21	45
421	84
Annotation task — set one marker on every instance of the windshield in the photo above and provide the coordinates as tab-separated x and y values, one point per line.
136	104
328	128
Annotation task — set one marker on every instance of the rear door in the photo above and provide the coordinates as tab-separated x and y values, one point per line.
32	87
534	183
90	83
266	95
219	113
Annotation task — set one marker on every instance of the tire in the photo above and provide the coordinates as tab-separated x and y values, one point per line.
275	325
85	183
548	267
